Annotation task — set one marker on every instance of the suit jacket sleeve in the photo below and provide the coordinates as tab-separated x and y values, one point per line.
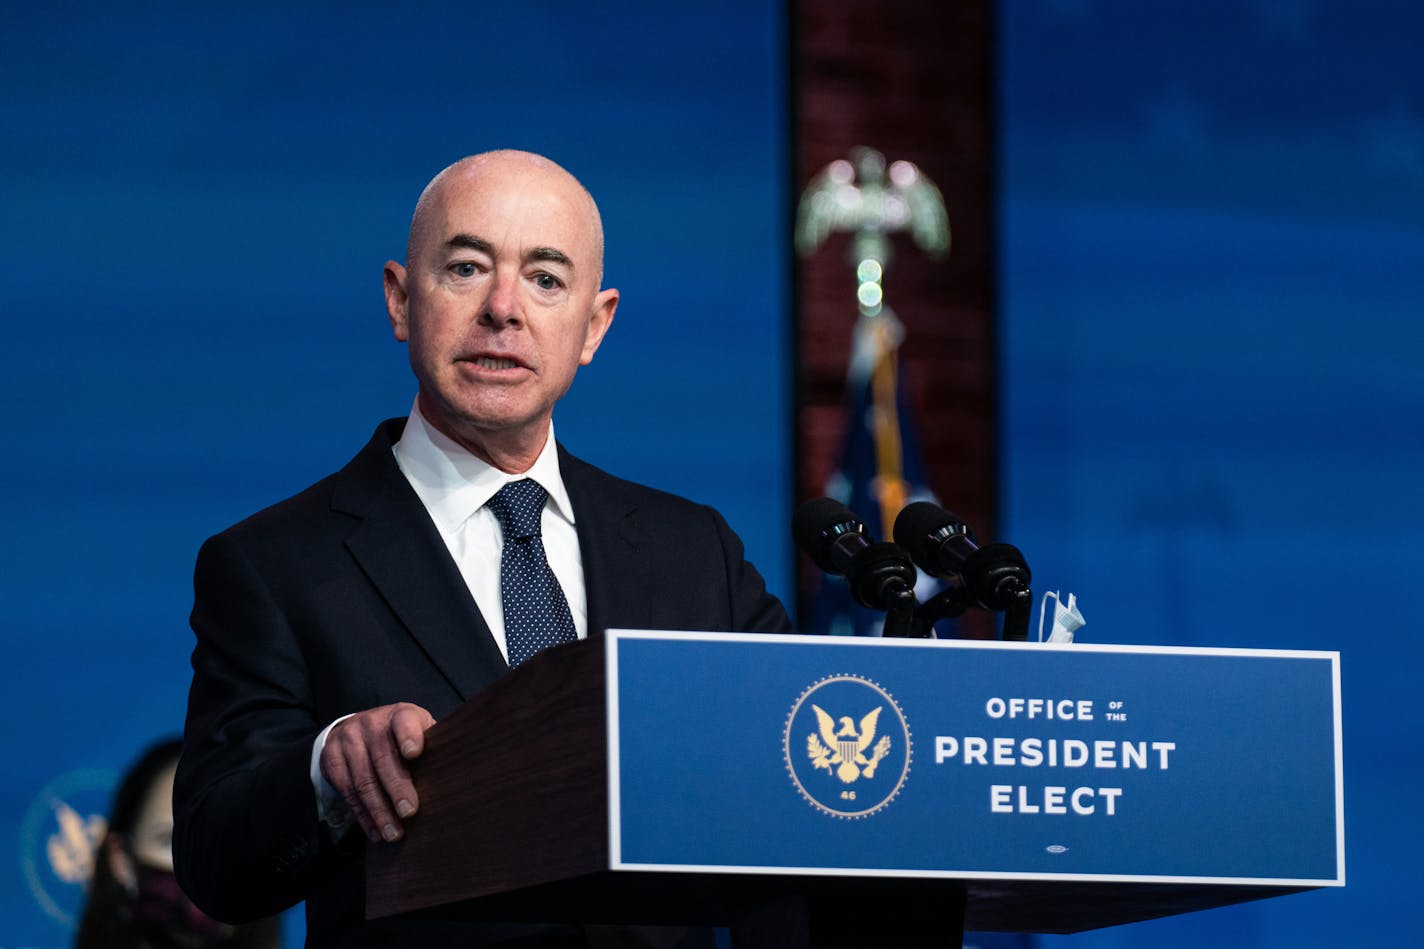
247	842
752	608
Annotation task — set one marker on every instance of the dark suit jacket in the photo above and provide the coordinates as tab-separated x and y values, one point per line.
345	598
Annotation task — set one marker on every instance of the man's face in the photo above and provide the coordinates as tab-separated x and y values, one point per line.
499	300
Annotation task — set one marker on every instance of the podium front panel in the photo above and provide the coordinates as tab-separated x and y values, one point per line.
828	755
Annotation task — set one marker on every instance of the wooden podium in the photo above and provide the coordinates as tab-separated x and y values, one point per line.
631	779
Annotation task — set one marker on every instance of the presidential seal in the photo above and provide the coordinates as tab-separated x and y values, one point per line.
847	746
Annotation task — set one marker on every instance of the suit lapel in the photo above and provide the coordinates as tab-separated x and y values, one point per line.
611	546
401	552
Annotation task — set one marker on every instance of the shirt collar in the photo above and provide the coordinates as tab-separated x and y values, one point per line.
453	484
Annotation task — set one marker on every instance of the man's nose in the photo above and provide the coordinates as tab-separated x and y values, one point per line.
502	305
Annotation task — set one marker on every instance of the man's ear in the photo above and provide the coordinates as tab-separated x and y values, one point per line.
397	299
604	306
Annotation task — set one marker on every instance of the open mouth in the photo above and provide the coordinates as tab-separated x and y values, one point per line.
494	362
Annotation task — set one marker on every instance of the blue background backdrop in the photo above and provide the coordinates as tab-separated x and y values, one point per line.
197	207
1212	278
1212	250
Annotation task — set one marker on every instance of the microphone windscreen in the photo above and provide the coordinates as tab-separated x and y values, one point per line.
813	528
916	528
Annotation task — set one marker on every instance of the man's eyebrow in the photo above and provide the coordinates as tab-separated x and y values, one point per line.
547	254
550	255
470	242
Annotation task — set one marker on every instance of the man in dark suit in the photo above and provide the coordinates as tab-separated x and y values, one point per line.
335	627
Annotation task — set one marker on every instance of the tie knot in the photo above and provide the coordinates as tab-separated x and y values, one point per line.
519	505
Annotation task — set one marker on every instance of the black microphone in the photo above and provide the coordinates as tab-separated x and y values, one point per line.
881	575
996	575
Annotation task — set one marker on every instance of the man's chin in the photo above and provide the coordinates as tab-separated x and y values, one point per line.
490	430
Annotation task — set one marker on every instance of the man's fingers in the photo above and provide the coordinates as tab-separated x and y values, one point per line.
347	764
395	780
363	820
338	773
408	725
334	768
371	793
364	760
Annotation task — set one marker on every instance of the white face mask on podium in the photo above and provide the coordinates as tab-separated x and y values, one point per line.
1066	618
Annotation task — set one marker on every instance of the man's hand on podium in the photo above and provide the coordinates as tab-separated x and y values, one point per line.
364	760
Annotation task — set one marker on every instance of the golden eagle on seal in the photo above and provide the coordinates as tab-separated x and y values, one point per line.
845	746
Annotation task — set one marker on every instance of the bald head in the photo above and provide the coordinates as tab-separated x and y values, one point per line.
509	168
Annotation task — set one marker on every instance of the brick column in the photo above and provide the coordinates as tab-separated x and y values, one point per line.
912	80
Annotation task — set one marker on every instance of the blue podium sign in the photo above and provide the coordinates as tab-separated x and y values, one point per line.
820	755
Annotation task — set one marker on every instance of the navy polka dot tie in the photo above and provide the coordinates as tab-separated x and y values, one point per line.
536	615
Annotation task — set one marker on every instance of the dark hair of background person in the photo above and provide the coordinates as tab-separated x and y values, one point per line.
107	919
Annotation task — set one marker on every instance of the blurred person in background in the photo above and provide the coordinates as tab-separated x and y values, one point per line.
134	901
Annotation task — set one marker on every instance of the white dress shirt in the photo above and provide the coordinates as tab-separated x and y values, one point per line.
454	487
